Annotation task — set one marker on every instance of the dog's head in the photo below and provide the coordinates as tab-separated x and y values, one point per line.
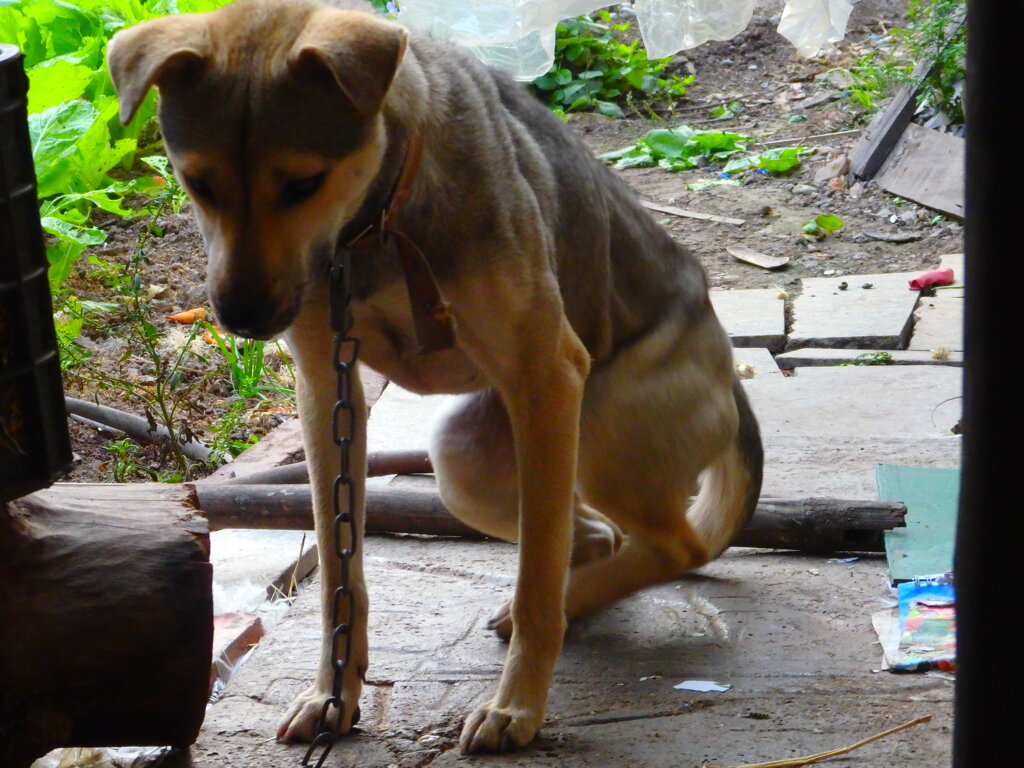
271	115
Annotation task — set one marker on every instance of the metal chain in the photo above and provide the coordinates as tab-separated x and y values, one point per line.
343	429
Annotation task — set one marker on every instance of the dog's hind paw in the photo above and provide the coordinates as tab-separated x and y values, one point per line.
303	716
498	729
501	621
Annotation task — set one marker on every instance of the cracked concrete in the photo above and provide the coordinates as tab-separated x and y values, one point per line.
790	633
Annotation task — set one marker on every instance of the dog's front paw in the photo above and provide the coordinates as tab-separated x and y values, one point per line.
498	729
303	716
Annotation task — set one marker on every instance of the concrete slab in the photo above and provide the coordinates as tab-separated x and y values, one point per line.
400	421
939	322
866	402
752	362
819	356
843	467
878	317
790	633
753	317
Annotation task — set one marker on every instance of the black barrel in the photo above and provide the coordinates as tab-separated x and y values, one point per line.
34	444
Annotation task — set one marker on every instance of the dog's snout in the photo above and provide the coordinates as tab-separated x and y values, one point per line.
251	313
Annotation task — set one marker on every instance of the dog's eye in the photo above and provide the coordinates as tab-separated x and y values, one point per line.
296	191
201	188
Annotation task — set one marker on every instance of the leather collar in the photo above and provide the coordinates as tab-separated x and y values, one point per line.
430	314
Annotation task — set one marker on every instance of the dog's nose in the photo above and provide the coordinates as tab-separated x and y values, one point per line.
250	314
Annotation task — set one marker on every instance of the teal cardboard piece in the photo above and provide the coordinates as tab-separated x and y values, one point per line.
925	546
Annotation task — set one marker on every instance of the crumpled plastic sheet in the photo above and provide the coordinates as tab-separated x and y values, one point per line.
519	35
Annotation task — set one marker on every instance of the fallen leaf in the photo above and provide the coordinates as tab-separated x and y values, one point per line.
750	256
189	316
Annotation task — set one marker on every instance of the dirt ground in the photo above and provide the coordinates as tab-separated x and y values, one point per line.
783	95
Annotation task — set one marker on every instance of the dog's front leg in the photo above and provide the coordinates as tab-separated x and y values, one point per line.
543	399
310	341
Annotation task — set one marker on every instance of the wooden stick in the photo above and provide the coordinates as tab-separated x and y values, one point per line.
796	762
673	211
796	141
813	525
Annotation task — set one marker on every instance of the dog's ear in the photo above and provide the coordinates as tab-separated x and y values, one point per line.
158	52
361	53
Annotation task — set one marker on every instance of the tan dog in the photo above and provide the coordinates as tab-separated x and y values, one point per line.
596	387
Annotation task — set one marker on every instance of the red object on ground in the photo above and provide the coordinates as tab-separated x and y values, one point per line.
942	276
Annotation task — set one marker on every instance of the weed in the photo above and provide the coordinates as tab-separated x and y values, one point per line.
250	377
128	461
872	79
881	357
934	30
595	70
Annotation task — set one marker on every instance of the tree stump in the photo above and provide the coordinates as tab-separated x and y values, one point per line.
106	619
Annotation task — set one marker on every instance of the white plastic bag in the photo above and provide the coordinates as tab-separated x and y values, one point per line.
519	35
810	24
669	26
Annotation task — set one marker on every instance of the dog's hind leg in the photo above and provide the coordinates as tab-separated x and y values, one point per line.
665	420
473	455
311	343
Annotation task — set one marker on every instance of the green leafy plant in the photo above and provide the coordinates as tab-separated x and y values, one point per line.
595	70
933	32
871	79
684	148
81	152
778	160
128	461
934	29
726	111
678	149
823	224
245	360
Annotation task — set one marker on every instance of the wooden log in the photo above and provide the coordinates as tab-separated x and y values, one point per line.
822	524
105	619
378	464
290	507
814	525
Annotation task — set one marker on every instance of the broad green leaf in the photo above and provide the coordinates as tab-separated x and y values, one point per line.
55	83
779	160
667	142
828	223
61	256
55	133
609	108
72	233
641	160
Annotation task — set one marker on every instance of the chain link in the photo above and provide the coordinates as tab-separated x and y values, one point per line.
344	423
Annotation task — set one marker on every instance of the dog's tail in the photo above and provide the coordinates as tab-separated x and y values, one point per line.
730	485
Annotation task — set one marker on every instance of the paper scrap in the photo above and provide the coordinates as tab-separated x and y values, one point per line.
702	686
